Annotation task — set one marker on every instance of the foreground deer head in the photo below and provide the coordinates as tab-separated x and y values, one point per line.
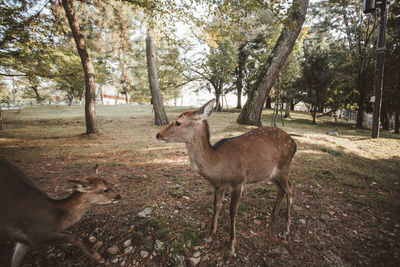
32	218
261	154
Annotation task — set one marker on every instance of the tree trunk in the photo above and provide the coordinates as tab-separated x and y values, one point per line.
287	108
397	122
90	94
239	75
385	118
292	105
314	114
361	108
268	103
1	118
158	106
251	112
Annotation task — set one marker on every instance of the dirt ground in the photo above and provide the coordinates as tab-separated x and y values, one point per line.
346	210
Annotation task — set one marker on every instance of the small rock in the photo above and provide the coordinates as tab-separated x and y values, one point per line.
188	244
179	205
132	227
127	243
302	221
333	133
185	197
296	208
128	250
256	221
92	239
115	260
144	213
195	261
123	263
113	250
98	245
144	254
176	211
196	254
158	245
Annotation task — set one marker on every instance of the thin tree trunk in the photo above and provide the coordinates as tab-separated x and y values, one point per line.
314	114
251	112
158	105
287	108
239	75
360	111
90	94
1	118
268	103
397	122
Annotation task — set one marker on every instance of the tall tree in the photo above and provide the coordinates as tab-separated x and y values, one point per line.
90	94
251	112
156	98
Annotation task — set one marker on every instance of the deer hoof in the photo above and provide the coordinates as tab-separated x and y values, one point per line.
96	256
232	253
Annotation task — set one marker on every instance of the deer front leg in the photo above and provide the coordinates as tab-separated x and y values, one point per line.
218	196
65	238
20	251
236	195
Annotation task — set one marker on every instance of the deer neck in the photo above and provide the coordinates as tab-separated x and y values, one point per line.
72	209
201	153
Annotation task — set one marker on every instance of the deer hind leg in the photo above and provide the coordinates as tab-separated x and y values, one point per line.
20	251
218	196
288	191
65	238
284	188
236	195
278	201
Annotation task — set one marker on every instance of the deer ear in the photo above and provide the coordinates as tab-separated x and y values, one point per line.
205	111
80	186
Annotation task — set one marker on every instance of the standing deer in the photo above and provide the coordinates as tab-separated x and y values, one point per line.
32	218
261	154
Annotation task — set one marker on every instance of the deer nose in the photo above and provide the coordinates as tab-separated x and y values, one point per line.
158	136
117	196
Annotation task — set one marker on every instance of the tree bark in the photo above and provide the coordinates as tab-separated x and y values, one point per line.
158	106
239	75
361	108
251	112
90	94
268	103
1	118
397	122
287	108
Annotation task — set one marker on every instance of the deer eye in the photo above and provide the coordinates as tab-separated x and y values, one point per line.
105	190
177	123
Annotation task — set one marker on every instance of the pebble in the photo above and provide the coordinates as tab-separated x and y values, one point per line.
196	254
302	221
115	260
195	261
158	245
144	254
296	208
98	245
92	239
123	263
128	250
144	213
179	205
127	243
113	250
176	211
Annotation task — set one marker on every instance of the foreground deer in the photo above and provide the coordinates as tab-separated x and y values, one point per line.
32	218
261	154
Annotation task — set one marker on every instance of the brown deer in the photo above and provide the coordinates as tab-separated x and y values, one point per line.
32	218
261	154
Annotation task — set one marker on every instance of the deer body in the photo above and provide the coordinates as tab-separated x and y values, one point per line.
262	154
32	218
